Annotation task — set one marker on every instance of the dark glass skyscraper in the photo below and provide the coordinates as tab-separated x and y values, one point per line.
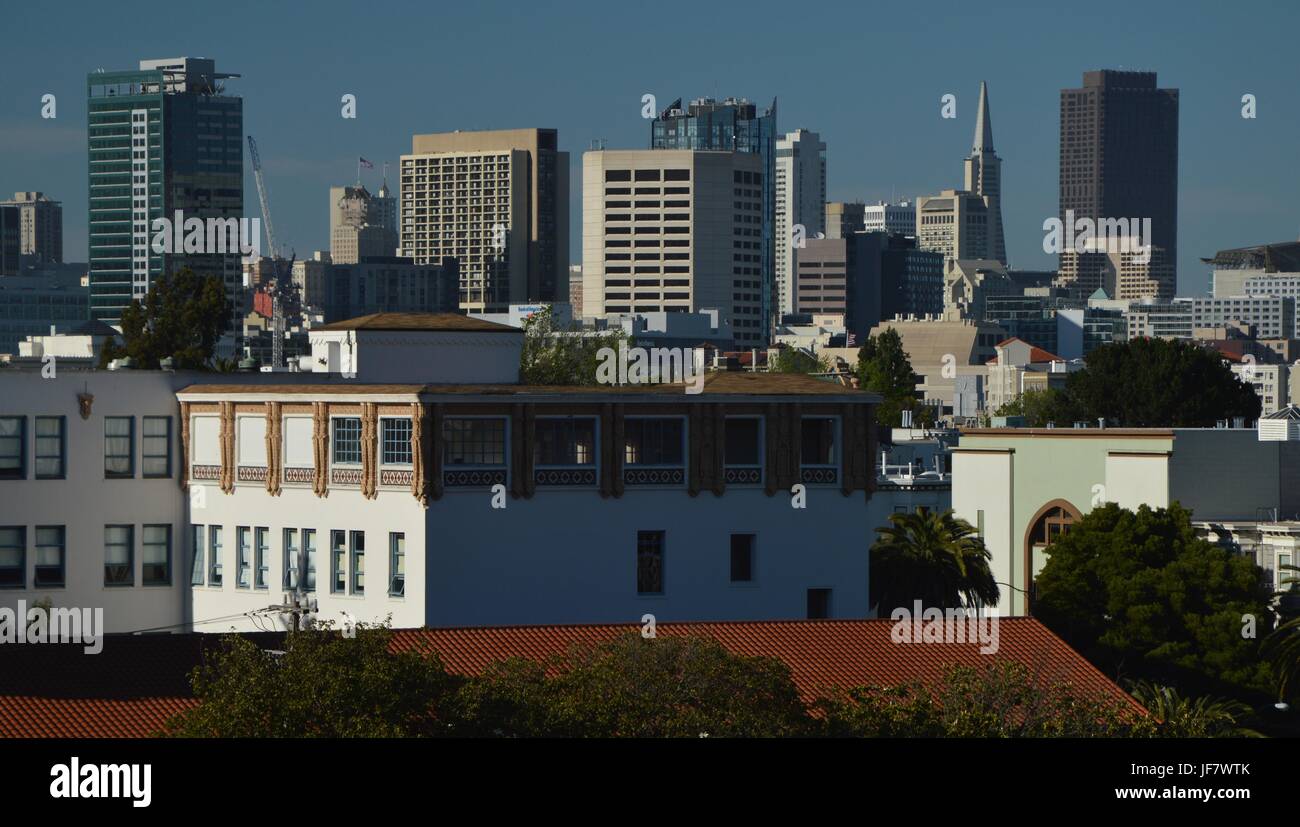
1119	153
733	125
160	139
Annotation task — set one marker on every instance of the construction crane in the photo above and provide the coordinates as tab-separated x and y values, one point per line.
277	312
261	194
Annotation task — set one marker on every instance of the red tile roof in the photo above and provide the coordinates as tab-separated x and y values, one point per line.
137	683
1036	354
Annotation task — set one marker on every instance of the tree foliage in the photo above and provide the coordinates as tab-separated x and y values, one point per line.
1041	406
794	360
553	356
182	317
1177	716
883	368
933	557
1164	383
1140	594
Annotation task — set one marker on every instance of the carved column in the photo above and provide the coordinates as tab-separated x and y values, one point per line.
320	439
274	443
369	444
228	447
419	484
184	476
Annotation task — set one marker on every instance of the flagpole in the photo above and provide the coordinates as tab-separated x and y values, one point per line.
358	170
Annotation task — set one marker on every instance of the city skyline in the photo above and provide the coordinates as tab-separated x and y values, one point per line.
1233	179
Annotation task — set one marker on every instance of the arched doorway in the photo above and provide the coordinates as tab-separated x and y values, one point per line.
1051	521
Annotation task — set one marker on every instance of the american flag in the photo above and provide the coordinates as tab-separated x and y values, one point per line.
365	163
851	340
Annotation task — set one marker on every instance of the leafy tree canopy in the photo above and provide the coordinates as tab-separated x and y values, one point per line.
883	368
553	356
933	557
182	317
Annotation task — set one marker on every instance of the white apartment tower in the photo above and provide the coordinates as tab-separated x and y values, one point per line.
800	201
674	230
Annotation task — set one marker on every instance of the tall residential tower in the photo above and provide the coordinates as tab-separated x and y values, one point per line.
800	200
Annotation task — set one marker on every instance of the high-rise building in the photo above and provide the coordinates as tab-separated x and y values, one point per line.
1119	156
10	241
800	201
357	228
163	140
41	227
883	217
955	224
498	202
732	125
843	217
984	175
383	208
674	231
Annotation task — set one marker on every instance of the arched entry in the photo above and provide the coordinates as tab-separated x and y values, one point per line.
1051	521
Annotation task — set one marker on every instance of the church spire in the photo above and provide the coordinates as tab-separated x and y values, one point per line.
983	123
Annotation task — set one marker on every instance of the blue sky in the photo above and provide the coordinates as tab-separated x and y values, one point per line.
867	76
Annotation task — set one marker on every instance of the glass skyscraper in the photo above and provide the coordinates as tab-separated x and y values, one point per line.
733	125
160	139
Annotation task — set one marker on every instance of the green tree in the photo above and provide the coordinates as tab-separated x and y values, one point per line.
182	317
322	685
794	360
1282	647
883	368
1159	383
1176	716
1139	594
1041	406
933	557
554	356
1002	700
670	687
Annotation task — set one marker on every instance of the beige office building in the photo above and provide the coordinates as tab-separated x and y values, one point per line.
498	202
40	233
1126	275
955	223
674	230
357	228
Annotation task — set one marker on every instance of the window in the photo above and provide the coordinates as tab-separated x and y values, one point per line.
157	554
13	447
817	445
480	442
51	557
565	442
358	562
243	557
653	442
309	552
649	562
819	604
347	440
742	558
338	561
119	446
397	564
119	555
196	555
13	557
51	446
157	446
743	442
396	441
214	557
291	559
262	562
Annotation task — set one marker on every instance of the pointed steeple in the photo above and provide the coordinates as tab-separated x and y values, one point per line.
983	123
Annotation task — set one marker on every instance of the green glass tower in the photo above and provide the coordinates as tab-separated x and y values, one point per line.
162	139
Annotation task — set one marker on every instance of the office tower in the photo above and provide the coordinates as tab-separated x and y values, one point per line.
732	125
498	202
1119	155
843	217
984	176
1119	273
10	241
383	208
674	231
163	139
41	227
911	279
955	224
357	230
883	217
800	200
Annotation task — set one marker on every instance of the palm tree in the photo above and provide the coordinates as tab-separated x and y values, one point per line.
1180	717
1282	647
933	557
